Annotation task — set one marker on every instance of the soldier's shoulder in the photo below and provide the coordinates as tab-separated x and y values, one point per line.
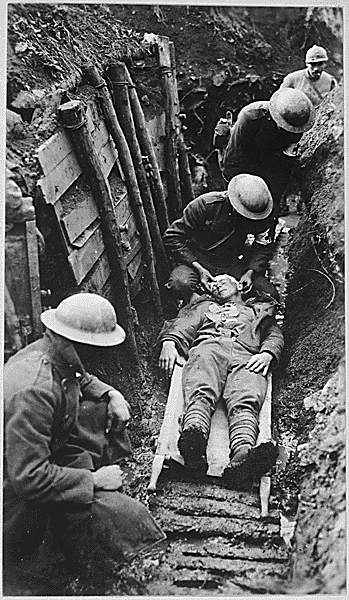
29	368
214	198
255	110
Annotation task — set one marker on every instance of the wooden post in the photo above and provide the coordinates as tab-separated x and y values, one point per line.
73	118
174	188
148	150
34	277
12	322
117	76
184	169
117	134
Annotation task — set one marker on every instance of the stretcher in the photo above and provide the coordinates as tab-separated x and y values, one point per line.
218	442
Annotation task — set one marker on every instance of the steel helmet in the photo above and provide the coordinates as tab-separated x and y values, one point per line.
85	318
316	54
292	110
250	196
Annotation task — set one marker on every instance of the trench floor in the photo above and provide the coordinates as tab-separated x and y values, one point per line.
217	540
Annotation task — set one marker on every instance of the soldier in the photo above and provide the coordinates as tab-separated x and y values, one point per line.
263	140
210	238
63	428
313	80
230	346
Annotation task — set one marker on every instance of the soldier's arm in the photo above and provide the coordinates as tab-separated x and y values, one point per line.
28	434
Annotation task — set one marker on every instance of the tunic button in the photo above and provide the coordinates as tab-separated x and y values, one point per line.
45	361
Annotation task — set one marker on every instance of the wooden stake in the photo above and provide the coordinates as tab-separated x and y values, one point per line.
34	278
12	322
175	205
125	158
148	150
184	169
116	74
72	116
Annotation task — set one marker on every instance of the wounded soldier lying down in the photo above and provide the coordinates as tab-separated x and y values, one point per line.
230	346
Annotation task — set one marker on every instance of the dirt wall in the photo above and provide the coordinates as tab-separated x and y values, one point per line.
310	400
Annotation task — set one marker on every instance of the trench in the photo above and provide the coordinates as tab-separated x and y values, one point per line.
217	542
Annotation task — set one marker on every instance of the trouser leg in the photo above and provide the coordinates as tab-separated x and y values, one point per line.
204	377
244	396
203	381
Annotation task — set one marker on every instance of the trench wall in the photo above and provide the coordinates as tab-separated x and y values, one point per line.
75	257
310	395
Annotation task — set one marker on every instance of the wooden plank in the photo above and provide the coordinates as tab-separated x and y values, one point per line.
53	151
156	129
122	210
136	284
86	234
34	278
128	235
97	277
83	259
75	222
60	179
133	251
107	156
134	265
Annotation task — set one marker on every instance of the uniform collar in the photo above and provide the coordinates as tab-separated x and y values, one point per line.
63	355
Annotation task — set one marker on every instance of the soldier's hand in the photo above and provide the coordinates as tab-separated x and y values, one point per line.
260	362
168	357
118	413
108	478
246	281
205	276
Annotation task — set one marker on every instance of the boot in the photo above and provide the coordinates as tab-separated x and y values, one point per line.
192	446
242	474
247	463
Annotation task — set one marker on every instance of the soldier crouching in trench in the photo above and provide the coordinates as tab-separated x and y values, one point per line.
230	346
63	430
210	238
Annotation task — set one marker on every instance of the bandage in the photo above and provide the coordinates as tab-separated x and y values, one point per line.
226	276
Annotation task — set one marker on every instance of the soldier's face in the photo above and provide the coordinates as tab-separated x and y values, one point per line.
224	288
315	69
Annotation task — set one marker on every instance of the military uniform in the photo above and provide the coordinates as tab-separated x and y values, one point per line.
316	90
218	341
211	232
256	147
55	418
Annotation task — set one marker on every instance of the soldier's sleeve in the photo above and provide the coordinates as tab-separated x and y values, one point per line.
177	236
241	136
261	251
93	388
287	82
184	328
273	339
28	435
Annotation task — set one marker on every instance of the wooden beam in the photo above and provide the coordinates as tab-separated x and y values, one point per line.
117	134
119	81
174	189
34	278
73	118
83	259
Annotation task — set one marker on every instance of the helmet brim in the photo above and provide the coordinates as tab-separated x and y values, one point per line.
280	121
110	338
242	210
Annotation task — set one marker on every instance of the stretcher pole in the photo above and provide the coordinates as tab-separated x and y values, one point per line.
264	436
167	441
